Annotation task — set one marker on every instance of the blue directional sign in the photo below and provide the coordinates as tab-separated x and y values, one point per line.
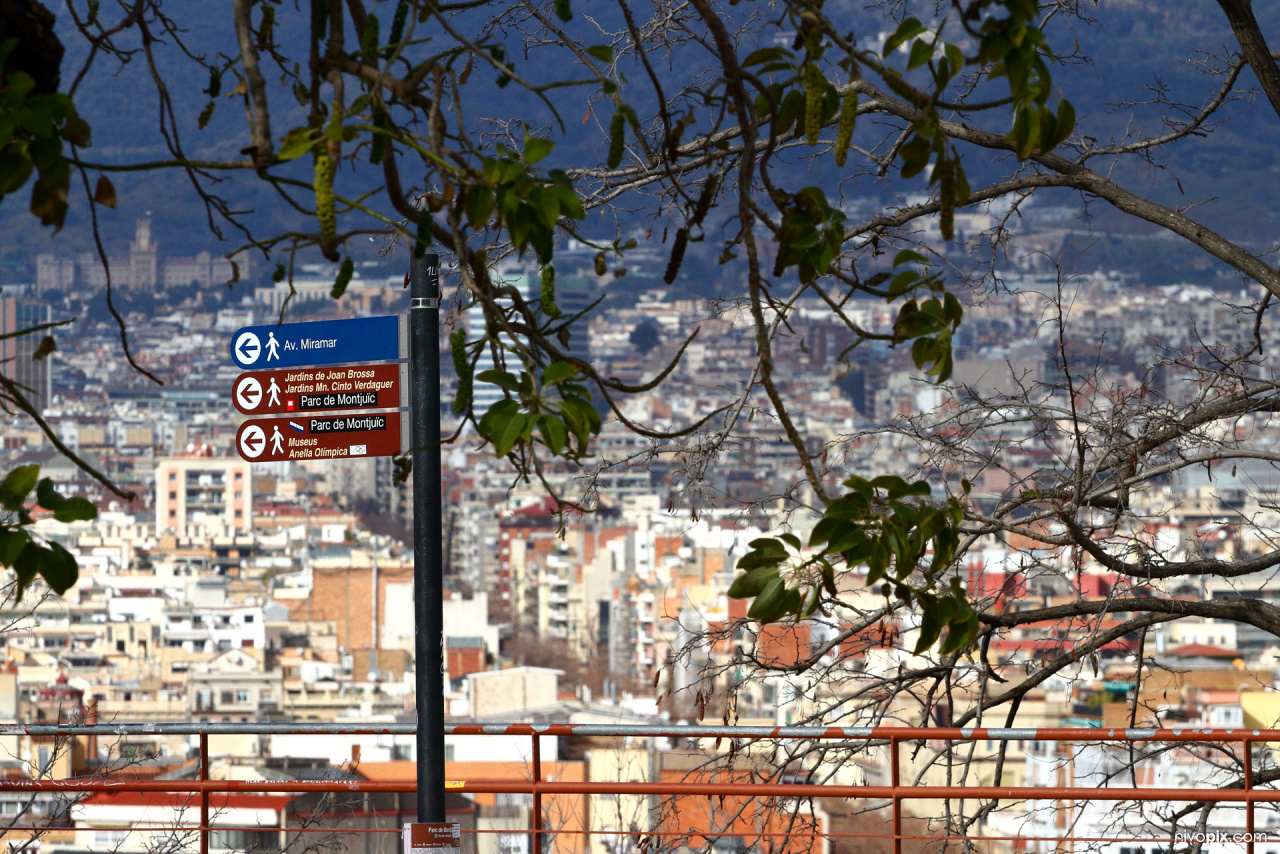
320	342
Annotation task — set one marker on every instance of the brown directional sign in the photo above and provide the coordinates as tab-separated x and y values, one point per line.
305	390
323	437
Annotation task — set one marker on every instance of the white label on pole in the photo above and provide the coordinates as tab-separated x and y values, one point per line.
438	838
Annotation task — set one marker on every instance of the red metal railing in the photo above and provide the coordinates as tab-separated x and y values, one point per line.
892	739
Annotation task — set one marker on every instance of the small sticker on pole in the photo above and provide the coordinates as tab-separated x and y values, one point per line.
435	838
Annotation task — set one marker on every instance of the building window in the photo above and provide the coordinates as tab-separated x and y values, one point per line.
109	838
239	514
226	697
173	496
248	618
239	475
173	475
242	696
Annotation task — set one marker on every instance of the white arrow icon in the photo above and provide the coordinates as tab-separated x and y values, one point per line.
249	393
248	348
253	442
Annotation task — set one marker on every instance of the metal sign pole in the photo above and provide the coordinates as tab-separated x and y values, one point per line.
428	580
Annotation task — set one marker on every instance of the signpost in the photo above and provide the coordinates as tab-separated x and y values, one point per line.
320	342
287	380
320	389
323	437
428	557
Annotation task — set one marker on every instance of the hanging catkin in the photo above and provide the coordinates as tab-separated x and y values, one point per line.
814	89
617	131
677	256
343	279
378	145
458	347
548	295
323	185
397	24
844	132
369	39
705	198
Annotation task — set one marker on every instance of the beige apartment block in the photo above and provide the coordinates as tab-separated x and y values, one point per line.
200	490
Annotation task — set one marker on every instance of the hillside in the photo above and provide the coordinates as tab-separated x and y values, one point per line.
1130	47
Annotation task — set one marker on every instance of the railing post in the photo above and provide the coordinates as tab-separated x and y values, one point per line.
1248	788
897	801
204	793
537	795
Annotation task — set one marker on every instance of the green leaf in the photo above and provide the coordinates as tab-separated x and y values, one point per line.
493	420
766	55
769	604
1064	124
553	433
921	52
59	569
908	29
296	143
478	205
12	542
769	546
558	372
826	528
504	379
16	485
930	628
76	510
850	507
47	496
955	58
752	582
891	484
570	204
849	538
546	205
909	256
602	52
26	566
536	149
960	633
511	433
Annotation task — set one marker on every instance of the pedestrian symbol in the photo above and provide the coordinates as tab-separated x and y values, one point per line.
273	347
274	391
277	441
